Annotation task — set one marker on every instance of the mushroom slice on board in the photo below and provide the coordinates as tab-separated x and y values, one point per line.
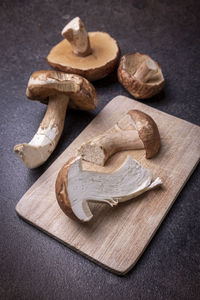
76	187
58	89
136	130
92	55
140	75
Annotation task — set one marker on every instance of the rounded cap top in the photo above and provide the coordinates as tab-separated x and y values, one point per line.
102	60
148	132
43	84
140	75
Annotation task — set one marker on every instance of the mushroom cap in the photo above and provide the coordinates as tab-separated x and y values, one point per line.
43	84
148	132
61	189
97	65
129	64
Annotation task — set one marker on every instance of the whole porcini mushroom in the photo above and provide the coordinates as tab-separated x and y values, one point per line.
59	90
75	188
92	55
136	130
140	75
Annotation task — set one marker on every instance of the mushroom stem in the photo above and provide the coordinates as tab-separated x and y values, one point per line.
100	149
76	33
146	70
37	151
123	136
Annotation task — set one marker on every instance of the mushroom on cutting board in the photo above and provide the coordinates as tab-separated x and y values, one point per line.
92	55
76	187
136	130
140	75
58	89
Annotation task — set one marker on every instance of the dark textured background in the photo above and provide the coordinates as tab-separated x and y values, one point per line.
35	266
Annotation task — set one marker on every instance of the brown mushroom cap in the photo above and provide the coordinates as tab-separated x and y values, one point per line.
61	189
81	92
129	64
97	65
148	132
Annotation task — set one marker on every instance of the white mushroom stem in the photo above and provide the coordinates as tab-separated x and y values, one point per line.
76	33
146	71
123	136
129	181
37	151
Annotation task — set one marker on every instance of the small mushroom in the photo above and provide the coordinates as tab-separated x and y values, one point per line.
140	75
58	89
92	55
75	188
136	130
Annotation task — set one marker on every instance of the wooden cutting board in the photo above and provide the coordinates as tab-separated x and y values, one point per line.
116	237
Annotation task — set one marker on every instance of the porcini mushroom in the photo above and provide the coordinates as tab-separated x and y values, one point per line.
140	75
76	187
136	130
92	55
58	89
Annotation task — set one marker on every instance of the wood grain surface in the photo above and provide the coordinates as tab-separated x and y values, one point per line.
116	237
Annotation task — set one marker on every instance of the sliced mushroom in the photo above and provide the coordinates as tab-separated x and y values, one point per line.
76	187
58	89
136	130
92	55
140	75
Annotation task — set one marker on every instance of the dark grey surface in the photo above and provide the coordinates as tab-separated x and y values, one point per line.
35	266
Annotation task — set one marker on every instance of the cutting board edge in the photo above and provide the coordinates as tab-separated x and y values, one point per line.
106	267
